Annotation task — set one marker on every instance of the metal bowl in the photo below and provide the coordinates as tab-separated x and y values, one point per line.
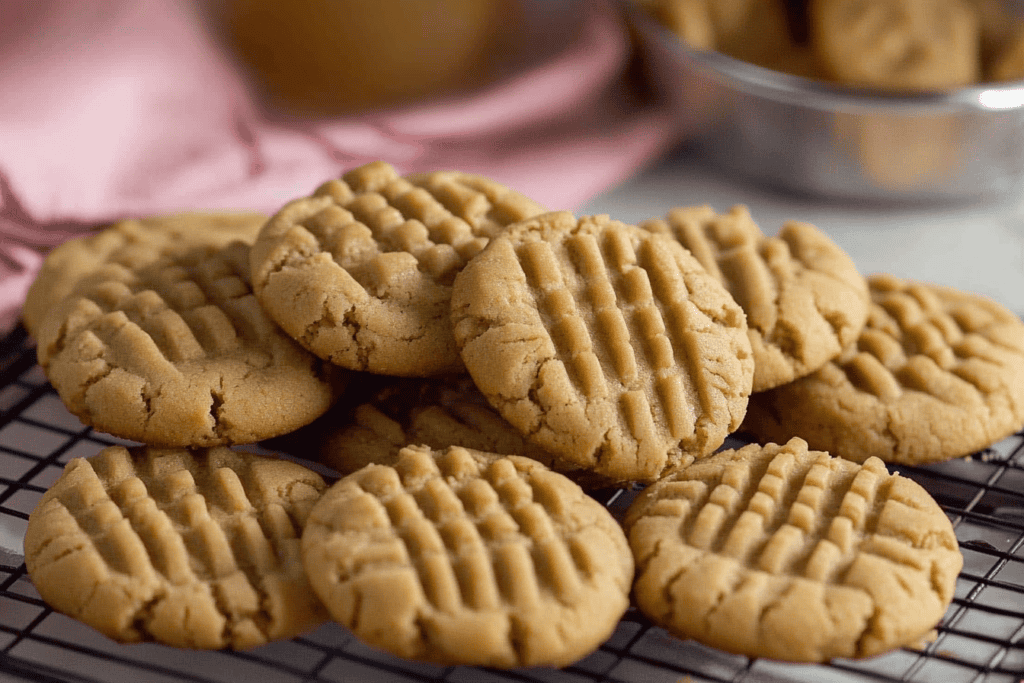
817	138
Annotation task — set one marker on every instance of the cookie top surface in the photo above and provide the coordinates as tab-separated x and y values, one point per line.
361	272
937	373
786	553
131	243
609	346
196	549
178	352
462	557
897	44
804	299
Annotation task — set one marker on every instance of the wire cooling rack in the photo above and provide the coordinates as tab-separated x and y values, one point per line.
980	640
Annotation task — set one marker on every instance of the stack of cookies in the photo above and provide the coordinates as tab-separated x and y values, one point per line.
469	364
891	45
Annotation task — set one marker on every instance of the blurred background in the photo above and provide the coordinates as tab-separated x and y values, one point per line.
912	161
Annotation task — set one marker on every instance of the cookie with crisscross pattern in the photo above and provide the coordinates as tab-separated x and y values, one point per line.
937	373
804	299
360	272
131	242
178	352
463	557
781	552
197	549
609	346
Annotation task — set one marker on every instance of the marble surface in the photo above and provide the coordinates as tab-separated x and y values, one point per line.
977	247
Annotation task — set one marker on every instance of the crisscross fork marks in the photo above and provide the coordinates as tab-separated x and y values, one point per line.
473	532
732	248
442	221
188	536
789	553
607	325
914	340
191	306
790	515
198	515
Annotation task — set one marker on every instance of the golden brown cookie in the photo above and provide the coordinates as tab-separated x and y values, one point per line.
937	373
929	153
804	299
609	346
780	552
897	44
361	272
463	557
197	549
178	352
752	30
130	243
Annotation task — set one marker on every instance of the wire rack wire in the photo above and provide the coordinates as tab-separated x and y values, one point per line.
980	640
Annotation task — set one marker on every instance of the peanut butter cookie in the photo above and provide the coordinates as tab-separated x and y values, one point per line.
178	352
897	44
196	549
937	373
785	553
462	557
131	242
373	426
609	346
360	273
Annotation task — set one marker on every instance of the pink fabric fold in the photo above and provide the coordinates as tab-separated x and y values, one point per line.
111	109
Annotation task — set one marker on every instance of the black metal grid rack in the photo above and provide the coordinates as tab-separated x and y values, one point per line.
981	638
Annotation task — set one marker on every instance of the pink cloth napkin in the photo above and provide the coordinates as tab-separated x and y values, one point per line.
110	109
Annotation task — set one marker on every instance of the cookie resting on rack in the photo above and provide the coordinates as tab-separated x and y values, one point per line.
462	557
609	346
194	549
792	554
936	374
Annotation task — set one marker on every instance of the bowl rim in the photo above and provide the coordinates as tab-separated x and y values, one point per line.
1001	96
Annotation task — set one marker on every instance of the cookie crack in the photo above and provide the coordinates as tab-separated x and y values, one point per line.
79	397
144	614
217	401
518	634
41	550
735	580
147	395
667	600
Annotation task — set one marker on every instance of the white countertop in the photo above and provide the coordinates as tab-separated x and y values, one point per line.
975	247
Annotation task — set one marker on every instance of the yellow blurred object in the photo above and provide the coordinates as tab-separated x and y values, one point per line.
753	30
341	56
898	45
